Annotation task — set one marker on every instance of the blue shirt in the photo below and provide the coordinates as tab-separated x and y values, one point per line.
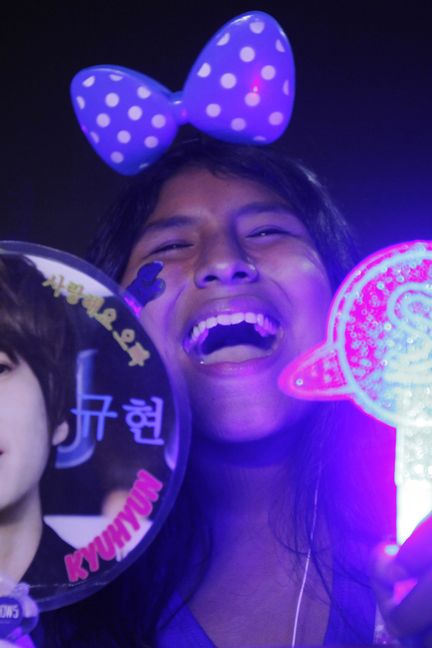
351	619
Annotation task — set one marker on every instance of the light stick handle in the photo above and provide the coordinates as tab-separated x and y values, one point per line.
413	478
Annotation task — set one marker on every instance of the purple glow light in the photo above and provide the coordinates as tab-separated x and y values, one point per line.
378	353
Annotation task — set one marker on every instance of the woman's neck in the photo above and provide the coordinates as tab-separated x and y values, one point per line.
252	585
241	482
20	534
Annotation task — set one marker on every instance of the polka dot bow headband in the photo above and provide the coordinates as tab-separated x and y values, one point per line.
240	89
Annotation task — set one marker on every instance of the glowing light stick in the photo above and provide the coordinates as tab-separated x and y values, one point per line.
378	353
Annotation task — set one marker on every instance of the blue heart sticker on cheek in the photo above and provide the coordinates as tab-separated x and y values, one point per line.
147	285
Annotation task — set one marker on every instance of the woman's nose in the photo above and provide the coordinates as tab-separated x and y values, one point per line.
224	261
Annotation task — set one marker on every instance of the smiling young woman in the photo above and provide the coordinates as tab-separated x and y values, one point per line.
267	542
232	251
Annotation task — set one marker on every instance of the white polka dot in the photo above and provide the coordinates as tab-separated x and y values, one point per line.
228	80
286	87
224	39
115	77
247	54
89	81
135	113
95	137
158	121
276	118
260	138
124	136
144	165
213	110
257	26
280	46
238	124
143	92
112	99
204	70
103	120
151	141
268	72
80	101
117	157
252	99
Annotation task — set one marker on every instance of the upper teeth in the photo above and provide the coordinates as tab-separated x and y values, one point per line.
262	324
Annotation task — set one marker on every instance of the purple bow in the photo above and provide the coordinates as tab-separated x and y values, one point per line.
240	89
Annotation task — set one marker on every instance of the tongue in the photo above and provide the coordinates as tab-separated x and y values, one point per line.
237	353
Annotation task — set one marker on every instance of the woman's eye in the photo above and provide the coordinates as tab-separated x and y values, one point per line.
268	231
168	247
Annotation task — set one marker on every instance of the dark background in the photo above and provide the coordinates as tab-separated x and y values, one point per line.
362	116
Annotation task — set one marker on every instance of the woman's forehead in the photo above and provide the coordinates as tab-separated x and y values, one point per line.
195	189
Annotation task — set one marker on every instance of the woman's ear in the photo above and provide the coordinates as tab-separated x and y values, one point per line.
60	433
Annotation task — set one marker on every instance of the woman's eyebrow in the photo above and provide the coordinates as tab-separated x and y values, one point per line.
249	209
167	223
259	207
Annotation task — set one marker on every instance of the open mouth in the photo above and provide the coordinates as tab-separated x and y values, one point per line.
232	337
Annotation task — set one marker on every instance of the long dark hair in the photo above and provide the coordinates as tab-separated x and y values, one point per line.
326	445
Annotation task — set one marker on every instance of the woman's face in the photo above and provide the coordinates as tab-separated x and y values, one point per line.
24	436
246	292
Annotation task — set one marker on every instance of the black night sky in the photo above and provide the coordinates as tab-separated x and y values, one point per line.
362	118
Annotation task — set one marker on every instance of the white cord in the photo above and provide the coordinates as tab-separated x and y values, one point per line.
306	569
